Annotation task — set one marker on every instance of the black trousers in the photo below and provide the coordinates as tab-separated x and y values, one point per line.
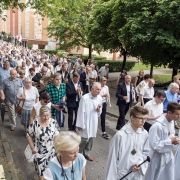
71	123
123	109
147	126
103	117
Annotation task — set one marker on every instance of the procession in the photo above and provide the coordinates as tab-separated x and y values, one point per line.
62	104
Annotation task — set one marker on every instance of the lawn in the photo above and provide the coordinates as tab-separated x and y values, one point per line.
142	66
162	78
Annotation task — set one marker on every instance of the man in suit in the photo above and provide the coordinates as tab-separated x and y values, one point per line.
38	76
84	79
64	73
124	95
73	94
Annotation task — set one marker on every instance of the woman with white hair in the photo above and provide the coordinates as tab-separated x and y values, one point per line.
68	164
40	136
28	96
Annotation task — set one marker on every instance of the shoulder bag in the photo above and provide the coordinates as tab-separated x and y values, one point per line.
18	107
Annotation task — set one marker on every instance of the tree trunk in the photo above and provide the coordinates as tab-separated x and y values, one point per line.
174	72
90	51
124	60
151	70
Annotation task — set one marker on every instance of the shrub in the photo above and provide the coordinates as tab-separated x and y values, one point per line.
85	56
99	58
115	66
51	51
60	53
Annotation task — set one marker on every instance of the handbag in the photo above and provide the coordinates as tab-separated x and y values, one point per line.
18	107
28	154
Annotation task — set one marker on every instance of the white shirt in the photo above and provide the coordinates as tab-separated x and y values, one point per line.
147	92
103	71
128	93
87	77
19	62
37	107
76	86
104	90
154	110
31	95
57	68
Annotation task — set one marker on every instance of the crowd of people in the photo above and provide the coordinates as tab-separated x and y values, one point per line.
48	87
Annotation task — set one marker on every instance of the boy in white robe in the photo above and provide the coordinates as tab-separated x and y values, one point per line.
129	147
162	141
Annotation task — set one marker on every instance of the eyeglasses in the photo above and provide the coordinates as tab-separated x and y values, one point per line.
46	101
140	118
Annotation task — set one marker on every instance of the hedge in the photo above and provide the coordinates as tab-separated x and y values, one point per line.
99	58
50	51
115	65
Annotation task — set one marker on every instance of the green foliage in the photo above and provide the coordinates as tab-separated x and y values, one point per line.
69	21
115	66
60	53
99	58
84	56
149	29
41	7
51	51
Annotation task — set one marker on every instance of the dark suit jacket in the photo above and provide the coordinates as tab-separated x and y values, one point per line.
122	91
82	80
71	94
66	75
37	77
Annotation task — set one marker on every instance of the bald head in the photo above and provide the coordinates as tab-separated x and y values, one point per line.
13	74
44	70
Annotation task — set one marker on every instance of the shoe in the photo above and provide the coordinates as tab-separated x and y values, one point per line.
89	158
12	128
105	136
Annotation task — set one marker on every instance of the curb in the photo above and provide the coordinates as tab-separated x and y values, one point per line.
8	153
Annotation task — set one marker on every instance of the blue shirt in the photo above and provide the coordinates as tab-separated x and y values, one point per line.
10	88
4	74
54	170
12	64
170	97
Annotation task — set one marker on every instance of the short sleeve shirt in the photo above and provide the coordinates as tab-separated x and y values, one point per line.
56	94
11	88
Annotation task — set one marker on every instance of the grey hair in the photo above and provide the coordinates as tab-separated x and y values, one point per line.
173	85
95	84
56	75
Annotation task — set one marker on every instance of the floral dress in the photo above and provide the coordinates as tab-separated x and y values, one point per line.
43	138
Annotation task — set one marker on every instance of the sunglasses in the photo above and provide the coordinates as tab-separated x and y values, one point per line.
46	101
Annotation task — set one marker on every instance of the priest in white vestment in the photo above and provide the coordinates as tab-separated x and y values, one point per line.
129	147
162	141
90	108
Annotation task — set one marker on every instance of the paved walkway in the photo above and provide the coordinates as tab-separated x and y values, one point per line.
113	111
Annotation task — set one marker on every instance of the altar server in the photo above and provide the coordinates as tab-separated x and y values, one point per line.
129	147
162	141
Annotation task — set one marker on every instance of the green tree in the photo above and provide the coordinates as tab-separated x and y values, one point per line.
149	29
41	7
69	20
